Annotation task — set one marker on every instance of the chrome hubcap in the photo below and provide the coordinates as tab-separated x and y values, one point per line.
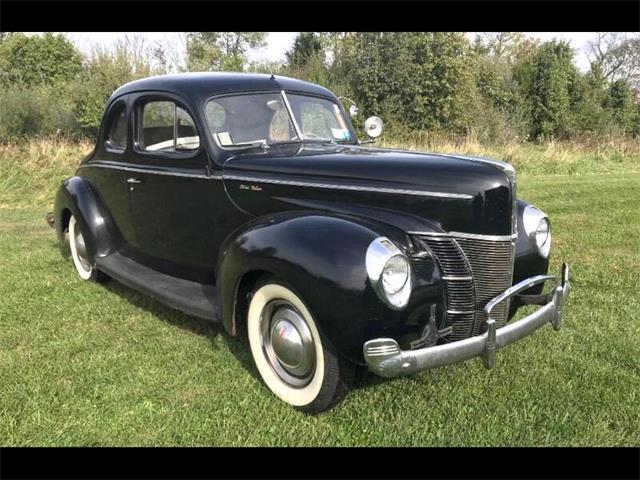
287	343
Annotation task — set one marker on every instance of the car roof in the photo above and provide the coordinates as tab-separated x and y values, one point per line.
201	85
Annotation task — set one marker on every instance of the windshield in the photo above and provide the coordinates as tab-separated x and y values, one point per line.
264	119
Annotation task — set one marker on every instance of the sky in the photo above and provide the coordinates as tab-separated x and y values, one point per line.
279	42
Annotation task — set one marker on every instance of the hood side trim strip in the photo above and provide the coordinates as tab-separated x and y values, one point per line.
296	183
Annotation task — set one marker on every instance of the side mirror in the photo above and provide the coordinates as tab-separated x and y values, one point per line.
373	127
353	109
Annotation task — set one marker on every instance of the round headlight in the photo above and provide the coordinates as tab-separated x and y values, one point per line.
538	229
389	272
395	274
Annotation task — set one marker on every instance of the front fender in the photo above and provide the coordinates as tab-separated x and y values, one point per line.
322	256
83	200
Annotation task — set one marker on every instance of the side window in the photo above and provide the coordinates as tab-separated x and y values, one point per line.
117	136
166	127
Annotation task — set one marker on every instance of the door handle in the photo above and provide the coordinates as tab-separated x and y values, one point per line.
133	180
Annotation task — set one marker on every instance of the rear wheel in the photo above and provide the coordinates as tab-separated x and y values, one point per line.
85	268
296	361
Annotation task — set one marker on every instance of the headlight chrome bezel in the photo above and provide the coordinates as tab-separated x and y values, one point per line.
532	219
379	253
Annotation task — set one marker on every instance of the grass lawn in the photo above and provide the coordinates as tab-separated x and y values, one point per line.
87	364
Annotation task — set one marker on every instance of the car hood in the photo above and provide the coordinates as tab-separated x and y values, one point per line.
458	193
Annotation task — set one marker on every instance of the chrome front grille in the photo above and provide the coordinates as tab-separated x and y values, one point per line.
474	270
460	298
492	268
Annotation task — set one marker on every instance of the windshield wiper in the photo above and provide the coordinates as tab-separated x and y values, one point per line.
285	142
241	147
303	141
265	146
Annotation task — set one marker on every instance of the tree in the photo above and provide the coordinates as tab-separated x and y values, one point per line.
418	79
590	112
4	36
620	102
221	50
553	89
617	55
507	45
38	59
306	45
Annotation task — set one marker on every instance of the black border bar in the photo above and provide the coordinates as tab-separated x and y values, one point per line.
317	15
319	463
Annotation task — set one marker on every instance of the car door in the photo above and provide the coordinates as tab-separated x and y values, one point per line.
174	201
106	170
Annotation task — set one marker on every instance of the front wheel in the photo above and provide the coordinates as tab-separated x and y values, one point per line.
296	361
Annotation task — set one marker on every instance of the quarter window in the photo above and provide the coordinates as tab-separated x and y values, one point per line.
166	127
117	136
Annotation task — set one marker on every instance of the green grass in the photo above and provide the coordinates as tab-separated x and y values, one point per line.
86	364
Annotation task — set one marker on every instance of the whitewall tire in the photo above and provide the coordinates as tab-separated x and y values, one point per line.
295	360
85	268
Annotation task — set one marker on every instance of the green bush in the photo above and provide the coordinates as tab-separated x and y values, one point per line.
103	72
38	110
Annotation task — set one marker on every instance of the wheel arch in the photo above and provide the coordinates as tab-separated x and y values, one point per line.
300	248
244	286
78	197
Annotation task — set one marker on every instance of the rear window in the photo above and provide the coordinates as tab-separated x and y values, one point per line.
117	136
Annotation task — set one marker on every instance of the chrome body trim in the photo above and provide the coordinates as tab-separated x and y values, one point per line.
385	358
293	117
148	170
348	187
472	236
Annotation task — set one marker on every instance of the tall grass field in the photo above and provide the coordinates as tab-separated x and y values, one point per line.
89	364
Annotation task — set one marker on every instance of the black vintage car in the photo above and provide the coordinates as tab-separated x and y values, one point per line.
248	200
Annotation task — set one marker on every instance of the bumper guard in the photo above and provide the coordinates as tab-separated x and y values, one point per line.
385	358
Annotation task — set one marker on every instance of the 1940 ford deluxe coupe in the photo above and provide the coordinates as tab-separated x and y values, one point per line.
248	200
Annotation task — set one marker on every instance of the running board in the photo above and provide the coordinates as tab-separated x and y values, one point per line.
193	298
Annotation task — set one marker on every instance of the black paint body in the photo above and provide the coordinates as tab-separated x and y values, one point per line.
303	213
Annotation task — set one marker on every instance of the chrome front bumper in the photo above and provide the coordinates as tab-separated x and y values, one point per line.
385	358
